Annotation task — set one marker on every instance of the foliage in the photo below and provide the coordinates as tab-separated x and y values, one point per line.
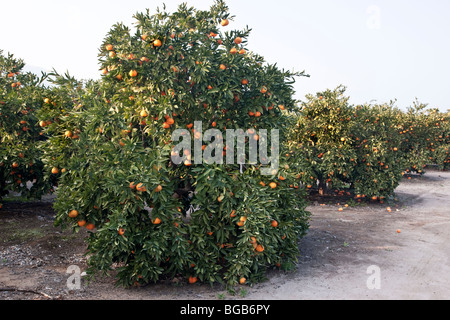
111	141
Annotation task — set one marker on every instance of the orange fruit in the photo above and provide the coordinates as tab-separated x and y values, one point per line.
238	40
157	43
244	82
121	232
170	121
132	185
156	221
192	280
15	165
55	170
263	90
140	187
133	73
68	134
222	67
233	214
224	22
233	51
73	214
242	281
81	223
158	189
144	114
259	248
274	223
90	226
273	185
109	47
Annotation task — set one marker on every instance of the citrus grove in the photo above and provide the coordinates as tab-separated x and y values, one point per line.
105	148
21	97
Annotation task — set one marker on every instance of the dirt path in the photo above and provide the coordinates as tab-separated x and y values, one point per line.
336	254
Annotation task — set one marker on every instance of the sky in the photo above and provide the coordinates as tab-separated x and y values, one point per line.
380	50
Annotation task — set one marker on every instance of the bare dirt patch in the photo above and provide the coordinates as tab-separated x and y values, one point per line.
335	255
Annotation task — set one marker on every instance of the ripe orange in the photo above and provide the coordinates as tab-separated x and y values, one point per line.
73	214
244	82
274	223
233	214
157	43
170	121
55	170
156	221
109	47
15	165
158	189
81	223
47	100
141	188
68	134
121	232
263	90
273	185
242	281
144	114
192	280
222	67
260	248
133	73
90	226
224	22
233	51
238	40
132	185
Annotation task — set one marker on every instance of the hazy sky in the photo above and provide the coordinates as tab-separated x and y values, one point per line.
381	50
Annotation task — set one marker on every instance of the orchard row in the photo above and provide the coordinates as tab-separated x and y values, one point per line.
105	148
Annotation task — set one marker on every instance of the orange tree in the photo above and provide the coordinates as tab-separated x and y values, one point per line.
343	147
425	137
380	161
20	159
154	218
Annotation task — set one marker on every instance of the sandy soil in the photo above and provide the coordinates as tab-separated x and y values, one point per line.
334	261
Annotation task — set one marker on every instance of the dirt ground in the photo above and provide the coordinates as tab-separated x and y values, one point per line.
334	261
